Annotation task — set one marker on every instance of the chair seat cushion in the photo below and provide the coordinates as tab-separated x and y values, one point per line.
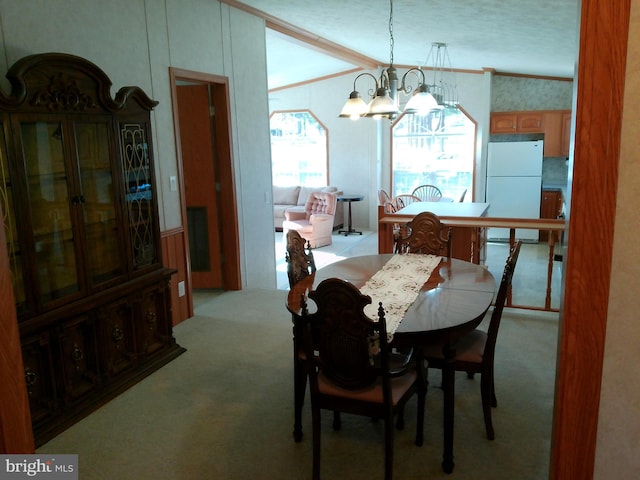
468	349
399	386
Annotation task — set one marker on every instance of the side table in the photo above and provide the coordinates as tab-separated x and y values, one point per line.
349	199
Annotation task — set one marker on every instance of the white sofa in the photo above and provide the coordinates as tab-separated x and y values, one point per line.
294	198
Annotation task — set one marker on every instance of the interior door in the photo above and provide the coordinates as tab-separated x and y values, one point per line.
198	162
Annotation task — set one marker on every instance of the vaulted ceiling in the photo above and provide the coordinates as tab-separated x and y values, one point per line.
529	37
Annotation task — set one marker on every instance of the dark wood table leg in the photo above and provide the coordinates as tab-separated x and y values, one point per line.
349	229
448	386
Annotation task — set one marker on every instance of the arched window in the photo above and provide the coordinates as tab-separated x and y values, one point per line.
298	149
436	149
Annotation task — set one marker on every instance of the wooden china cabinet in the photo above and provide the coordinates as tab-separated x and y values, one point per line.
77	189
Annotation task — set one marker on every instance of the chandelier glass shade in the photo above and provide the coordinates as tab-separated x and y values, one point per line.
384	97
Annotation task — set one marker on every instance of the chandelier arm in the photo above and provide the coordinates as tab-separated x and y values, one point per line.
407	89
371	91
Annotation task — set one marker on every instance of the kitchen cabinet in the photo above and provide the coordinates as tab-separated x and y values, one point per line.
504	122
554	124
77	189
565	138
557	130
550	207
516	122
530	122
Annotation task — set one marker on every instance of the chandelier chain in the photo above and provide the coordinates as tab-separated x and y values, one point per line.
391	32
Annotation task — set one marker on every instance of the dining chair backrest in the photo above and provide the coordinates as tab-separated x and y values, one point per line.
383	197
403	200
500	301
351	348
299	258
424	234
390	207
428	193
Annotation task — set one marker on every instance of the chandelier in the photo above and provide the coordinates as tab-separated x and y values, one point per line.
384	97
440	76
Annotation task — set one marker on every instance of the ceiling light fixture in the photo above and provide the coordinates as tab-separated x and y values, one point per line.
384	103
441	76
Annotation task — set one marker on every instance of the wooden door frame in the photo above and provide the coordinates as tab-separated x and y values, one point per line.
16	434
229	241
599	87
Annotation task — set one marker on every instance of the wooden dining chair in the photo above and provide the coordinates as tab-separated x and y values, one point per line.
427	193
426	234
299	258
474	353
300	265
403	200
383	197
348	362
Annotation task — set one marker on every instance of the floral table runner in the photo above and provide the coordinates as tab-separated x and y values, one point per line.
397	285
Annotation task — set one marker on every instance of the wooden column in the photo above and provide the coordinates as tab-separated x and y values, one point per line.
16	435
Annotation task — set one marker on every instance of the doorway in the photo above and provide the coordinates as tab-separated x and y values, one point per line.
205	180
201	189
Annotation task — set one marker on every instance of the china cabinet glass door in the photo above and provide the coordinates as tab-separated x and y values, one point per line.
10	230
139	195
98	201
48	197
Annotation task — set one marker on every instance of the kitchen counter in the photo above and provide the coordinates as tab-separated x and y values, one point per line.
446	209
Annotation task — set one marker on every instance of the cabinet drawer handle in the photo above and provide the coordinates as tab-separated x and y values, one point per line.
151	316
117	334
77	354
31	378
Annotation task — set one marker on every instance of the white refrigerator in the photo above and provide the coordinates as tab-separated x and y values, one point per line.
514	183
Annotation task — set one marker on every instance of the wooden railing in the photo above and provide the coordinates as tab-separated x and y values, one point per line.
475	240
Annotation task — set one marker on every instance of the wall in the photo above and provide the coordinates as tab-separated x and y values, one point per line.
522	93
618	440
135	42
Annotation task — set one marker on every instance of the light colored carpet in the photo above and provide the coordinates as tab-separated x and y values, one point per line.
224	409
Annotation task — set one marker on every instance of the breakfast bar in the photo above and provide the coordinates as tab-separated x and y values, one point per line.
468	239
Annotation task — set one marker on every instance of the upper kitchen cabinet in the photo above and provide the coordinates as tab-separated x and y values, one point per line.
504	122
557	128
77	189
554	124
565	138
516	122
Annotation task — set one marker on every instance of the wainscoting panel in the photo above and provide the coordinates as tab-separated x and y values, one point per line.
174	256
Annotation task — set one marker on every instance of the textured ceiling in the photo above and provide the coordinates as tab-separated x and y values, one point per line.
536	37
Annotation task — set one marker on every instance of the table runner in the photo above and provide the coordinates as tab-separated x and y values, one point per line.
397	285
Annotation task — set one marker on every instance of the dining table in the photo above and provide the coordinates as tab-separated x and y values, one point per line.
451	303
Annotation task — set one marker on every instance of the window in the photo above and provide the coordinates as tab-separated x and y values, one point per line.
298	149
436	149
